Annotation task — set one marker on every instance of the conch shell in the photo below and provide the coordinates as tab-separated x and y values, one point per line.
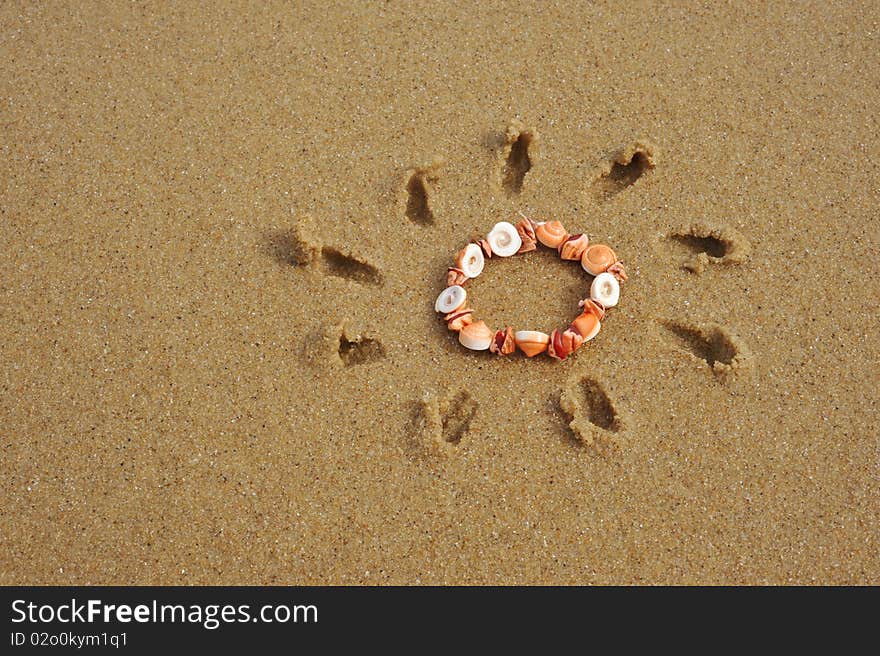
551	233
531	342
563	343
476	336
573	247
503	342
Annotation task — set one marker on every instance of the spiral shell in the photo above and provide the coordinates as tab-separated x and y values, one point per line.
504	240
450	299
597	258
470	260
551	233
476	336
605	290
531	342
563	343
573	247
503	343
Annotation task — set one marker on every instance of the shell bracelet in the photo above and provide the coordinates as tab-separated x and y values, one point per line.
505	240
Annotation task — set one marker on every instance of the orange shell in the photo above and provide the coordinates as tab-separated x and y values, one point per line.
563	343
527	246
534	344
573	247
476	336
551	233
586	325
618	271
455	276
526	230
594	307
487	249
503	343
597	258
459	318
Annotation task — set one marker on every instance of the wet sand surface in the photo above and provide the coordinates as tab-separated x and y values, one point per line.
225	229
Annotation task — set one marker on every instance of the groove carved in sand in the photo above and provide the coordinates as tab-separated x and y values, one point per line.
723	352
708	244
624	169
345	265
591	412
420	186
299	245
335	346
519	142
443	423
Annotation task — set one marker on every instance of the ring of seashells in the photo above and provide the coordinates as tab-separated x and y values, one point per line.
505	240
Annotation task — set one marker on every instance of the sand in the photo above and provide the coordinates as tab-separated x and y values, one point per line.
224	230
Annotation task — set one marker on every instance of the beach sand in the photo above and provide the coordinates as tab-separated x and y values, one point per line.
224	231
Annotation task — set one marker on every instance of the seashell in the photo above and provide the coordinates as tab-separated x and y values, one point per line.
618	271
587	325
551	233
563	343
476	336
470	260
605	290
573	339
573	247
455	276
527	246
451	298
597	258
531	342
503	342
459	318
526	230
504	240
589	305
483	244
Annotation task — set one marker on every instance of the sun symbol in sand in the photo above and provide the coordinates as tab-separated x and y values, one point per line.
444	415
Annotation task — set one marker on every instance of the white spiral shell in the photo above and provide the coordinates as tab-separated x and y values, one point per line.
450	299
605	290
504	239
471	260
